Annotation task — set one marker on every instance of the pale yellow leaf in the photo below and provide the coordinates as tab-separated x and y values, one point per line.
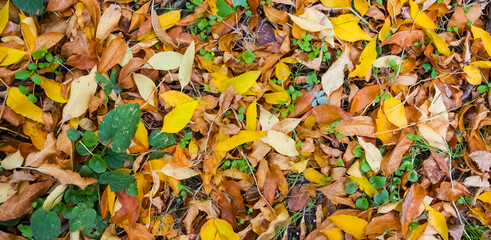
437	108
21	105
282	143
108	21
12	161
169	19
372	154
385	61
12	56
346	28
367	58
354	170
484	36
52	90
146	88
178	118
473	75
54	197
4	16
175	98
165	61
251	117
299	166
333	78
6	191
128	55
178	172
281	219
81	91
267	120
186	67
308	25
432	137
350	224
395	112
437	221
239	139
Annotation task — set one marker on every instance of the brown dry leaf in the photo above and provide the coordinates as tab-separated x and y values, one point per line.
65	176
108	21
410	208
47	40
21	203
38	158
358	125
112	55
392	160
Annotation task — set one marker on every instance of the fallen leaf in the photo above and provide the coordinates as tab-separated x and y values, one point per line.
395	112
179	117
242	82
65	176
239	139
410	208
165	61
12	56
112	55
282	143
186	66
437	221
251	116
372	154
21	105
108	21
4	16
484	36
333	78
216	228
178	172
20	203
81	91
367	57
485	197
53	90
146	88
346	28
169	19
350	224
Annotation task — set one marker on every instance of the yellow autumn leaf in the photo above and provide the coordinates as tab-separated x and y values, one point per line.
482	64
216	228
169	19
146	88
175	98
282	71
437	221
367	58
333	234
213	6
54	197
350	224
314	176
337	3
37	135
239	139
242	82
382	35
418	232
29	31
186	67
21	105
473	75
4	16
308	25
111	199
439	43
395	112
361	6
251	117
383	127
299	167
364	185
81	91
164	61
484	36
140	139
12	55
372	154
421	18
485	197
346	28
179	117
282	143
162	225
52	90
273	98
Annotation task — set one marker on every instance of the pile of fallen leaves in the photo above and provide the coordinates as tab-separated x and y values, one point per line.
245	119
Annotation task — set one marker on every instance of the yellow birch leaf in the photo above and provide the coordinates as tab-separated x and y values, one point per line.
384	30
439	43
308	25
282	143
21	105
52	90
179	117
169	19
418	232
437	221
333	78
140	139
395	112
111	199
12	55
473	75
12	161
364	185
282	71
414	9
186	66
383	127
314	176
242	82
175	98
299	167
482	64
4	16
164	61
485	197
333	234
193	148
146	88
29	31
484	36
38	136
350	224
420	18
337	3
81	91
273	98
251	117
217	229
361	6
346	28
432	137
372	154
239	139
367	58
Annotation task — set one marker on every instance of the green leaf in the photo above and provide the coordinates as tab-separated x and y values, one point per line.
97	164
116	160
413	176
72	134
381	198
89	139
119	126
81	217
96	229
32	98
377	182
350	188
23	90
361	203
82	149
30	6
223	8
36	79
365	167
22	74
248	56
45	225
117	181
242	3
481	89
161	140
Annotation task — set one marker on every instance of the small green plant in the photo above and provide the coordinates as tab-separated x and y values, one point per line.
429	68
383	95
265	2
240	164
240	115
320	98
202	25
484	88
185	140
312	80
247	57
109	84
294	93
192	4
208	55
331	129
